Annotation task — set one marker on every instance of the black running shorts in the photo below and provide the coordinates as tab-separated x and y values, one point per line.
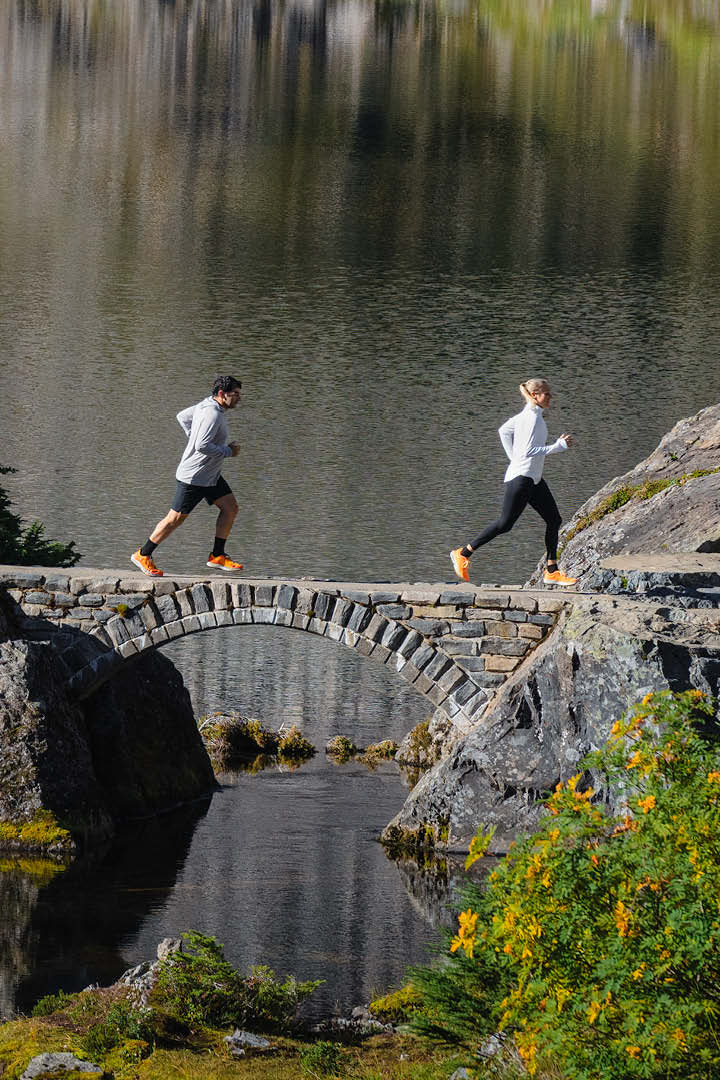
187	496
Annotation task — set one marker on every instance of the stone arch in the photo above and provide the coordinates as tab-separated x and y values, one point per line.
351	619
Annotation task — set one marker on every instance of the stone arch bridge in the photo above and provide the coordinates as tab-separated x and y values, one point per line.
456	644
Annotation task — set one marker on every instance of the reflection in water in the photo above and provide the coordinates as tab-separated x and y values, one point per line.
64	930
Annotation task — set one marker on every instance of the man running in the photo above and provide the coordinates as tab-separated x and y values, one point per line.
198	476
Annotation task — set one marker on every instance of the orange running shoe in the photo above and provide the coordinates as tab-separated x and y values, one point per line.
221	562
145	563
460	564
556	577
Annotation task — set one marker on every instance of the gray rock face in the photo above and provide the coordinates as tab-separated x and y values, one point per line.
603	656
56	1064
129	751
682	518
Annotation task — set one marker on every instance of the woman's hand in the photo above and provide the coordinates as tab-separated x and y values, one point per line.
569	439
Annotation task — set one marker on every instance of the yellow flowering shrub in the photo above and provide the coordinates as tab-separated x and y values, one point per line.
610	919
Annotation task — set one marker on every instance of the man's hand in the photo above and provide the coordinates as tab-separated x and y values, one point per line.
235	447
569	439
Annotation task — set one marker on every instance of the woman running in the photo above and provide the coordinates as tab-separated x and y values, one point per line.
524	439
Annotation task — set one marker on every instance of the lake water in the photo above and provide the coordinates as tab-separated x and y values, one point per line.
382	217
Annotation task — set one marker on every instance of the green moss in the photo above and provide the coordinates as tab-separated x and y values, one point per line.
387	749
122	609
43	831
622	496
293	746
396	1007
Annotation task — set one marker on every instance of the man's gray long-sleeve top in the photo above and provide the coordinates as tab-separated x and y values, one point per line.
207	434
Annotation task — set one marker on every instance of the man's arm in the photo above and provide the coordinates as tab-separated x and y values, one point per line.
185	419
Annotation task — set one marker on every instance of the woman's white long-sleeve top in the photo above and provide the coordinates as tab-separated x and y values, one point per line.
524	439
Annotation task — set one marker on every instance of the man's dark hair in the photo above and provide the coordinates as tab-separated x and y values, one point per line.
226	384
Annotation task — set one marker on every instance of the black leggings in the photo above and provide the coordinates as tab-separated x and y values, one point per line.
519	492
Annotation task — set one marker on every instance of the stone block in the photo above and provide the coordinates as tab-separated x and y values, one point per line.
437	666
281	617
428	611
128	600
384	596
300	621
381	653
523	602
395	660
394	636
350	638
410	673
423	684
430	627
21	579
206	619
134	583
150	617
221	594
421	594
202	598
468	630
264	595
492	599
541	620
333	631
324	604
451	707
534	633
175	629
394	611
360	618
489	679
458	597
515	616
316	626
36	597
57	582
184	599
460	646
66	599
240	595
451	679
242	616
33	611
98	633
191	624
464	692
127	649
478	701
117	630
365	647
423	656
168	609
263	614
79	613
436	694
355	596
164	586
376	628
305	602
481	613
142	644
471	663
159	635
412	642
286	597
505	646
88	599
501	663
15	594
342	612
501	629
224	618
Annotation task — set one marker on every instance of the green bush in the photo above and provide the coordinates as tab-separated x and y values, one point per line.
25	545
52	1003
323	1059
597	941
199	988
120	1023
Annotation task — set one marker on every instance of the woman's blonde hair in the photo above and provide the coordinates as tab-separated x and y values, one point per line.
533	386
